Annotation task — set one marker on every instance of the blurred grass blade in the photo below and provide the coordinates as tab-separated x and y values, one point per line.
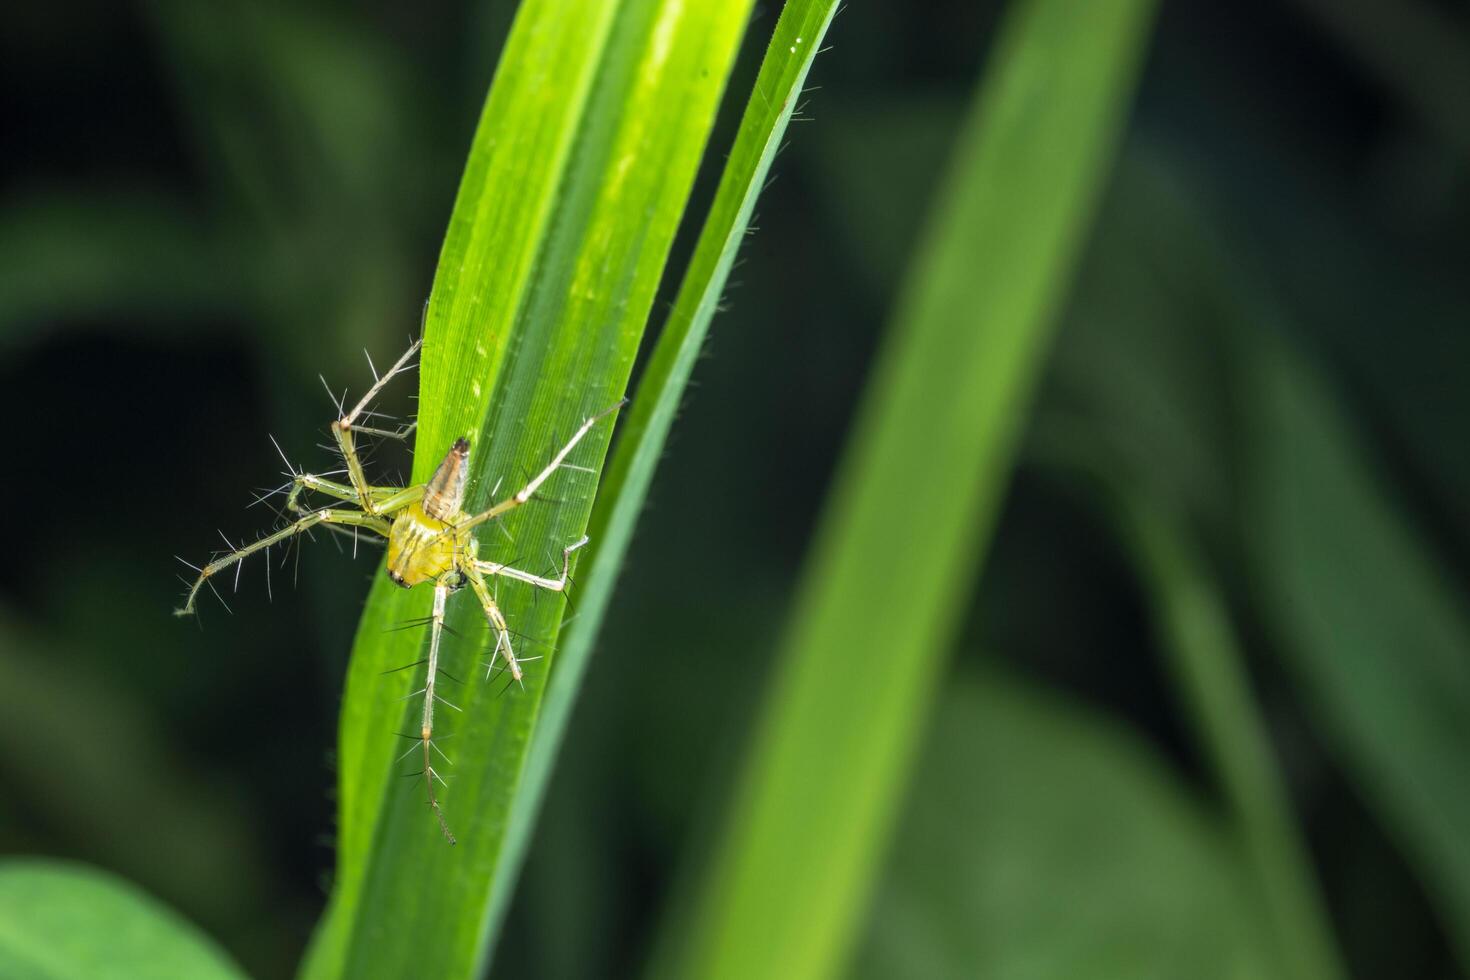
1209	670
914	500
1372	627
1355	603
61	921
1134	409
579	171
794	44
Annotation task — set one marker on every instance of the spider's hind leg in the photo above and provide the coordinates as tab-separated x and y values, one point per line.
503	648
426	730
476	572
558	584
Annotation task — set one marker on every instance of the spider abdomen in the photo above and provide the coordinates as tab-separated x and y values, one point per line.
444	493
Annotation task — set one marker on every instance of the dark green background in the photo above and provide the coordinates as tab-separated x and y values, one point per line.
204	206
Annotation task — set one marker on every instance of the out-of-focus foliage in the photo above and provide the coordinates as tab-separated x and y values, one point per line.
1029	809
1363	615
1354	605
202	206
933	441
64	920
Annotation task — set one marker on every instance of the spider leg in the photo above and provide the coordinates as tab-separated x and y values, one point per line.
343	428
302	482
558	584
497	622
402	433
385	499
329	517
526	492
426	731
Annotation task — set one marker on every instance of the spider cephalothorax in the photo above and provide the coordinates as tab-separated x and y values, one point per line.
427	537
430	539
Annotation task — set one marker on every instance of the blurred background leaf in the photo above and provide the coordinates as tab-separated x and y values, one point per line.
1089	861
120	774
1362	616
60	921
933	440
1206	665
1249	442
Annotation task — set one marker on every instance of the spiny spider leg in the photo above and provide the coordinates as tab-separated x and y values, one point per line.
343	428
302	482
476	572
386	500
426	733
330	517
498	623
526	492
402	433
557	584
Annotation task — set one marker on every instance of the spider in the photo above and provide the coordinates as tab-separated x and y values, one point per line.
430	539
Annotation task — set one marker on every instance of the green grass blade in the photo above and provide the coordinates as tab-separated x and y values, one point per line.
914	496
61	921
794	43
579	171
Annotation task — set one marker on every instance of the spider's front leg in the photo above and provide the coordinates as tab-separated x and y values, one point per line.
526	492
344	427
330	517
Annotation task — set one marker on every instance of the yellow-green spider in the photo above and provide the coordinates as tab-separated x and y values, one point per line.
430	539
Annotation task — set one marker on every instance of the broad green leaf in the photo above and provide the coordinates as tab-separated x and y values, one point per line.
1044	843
61	921
794	44
576	180
1372	626
914	500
